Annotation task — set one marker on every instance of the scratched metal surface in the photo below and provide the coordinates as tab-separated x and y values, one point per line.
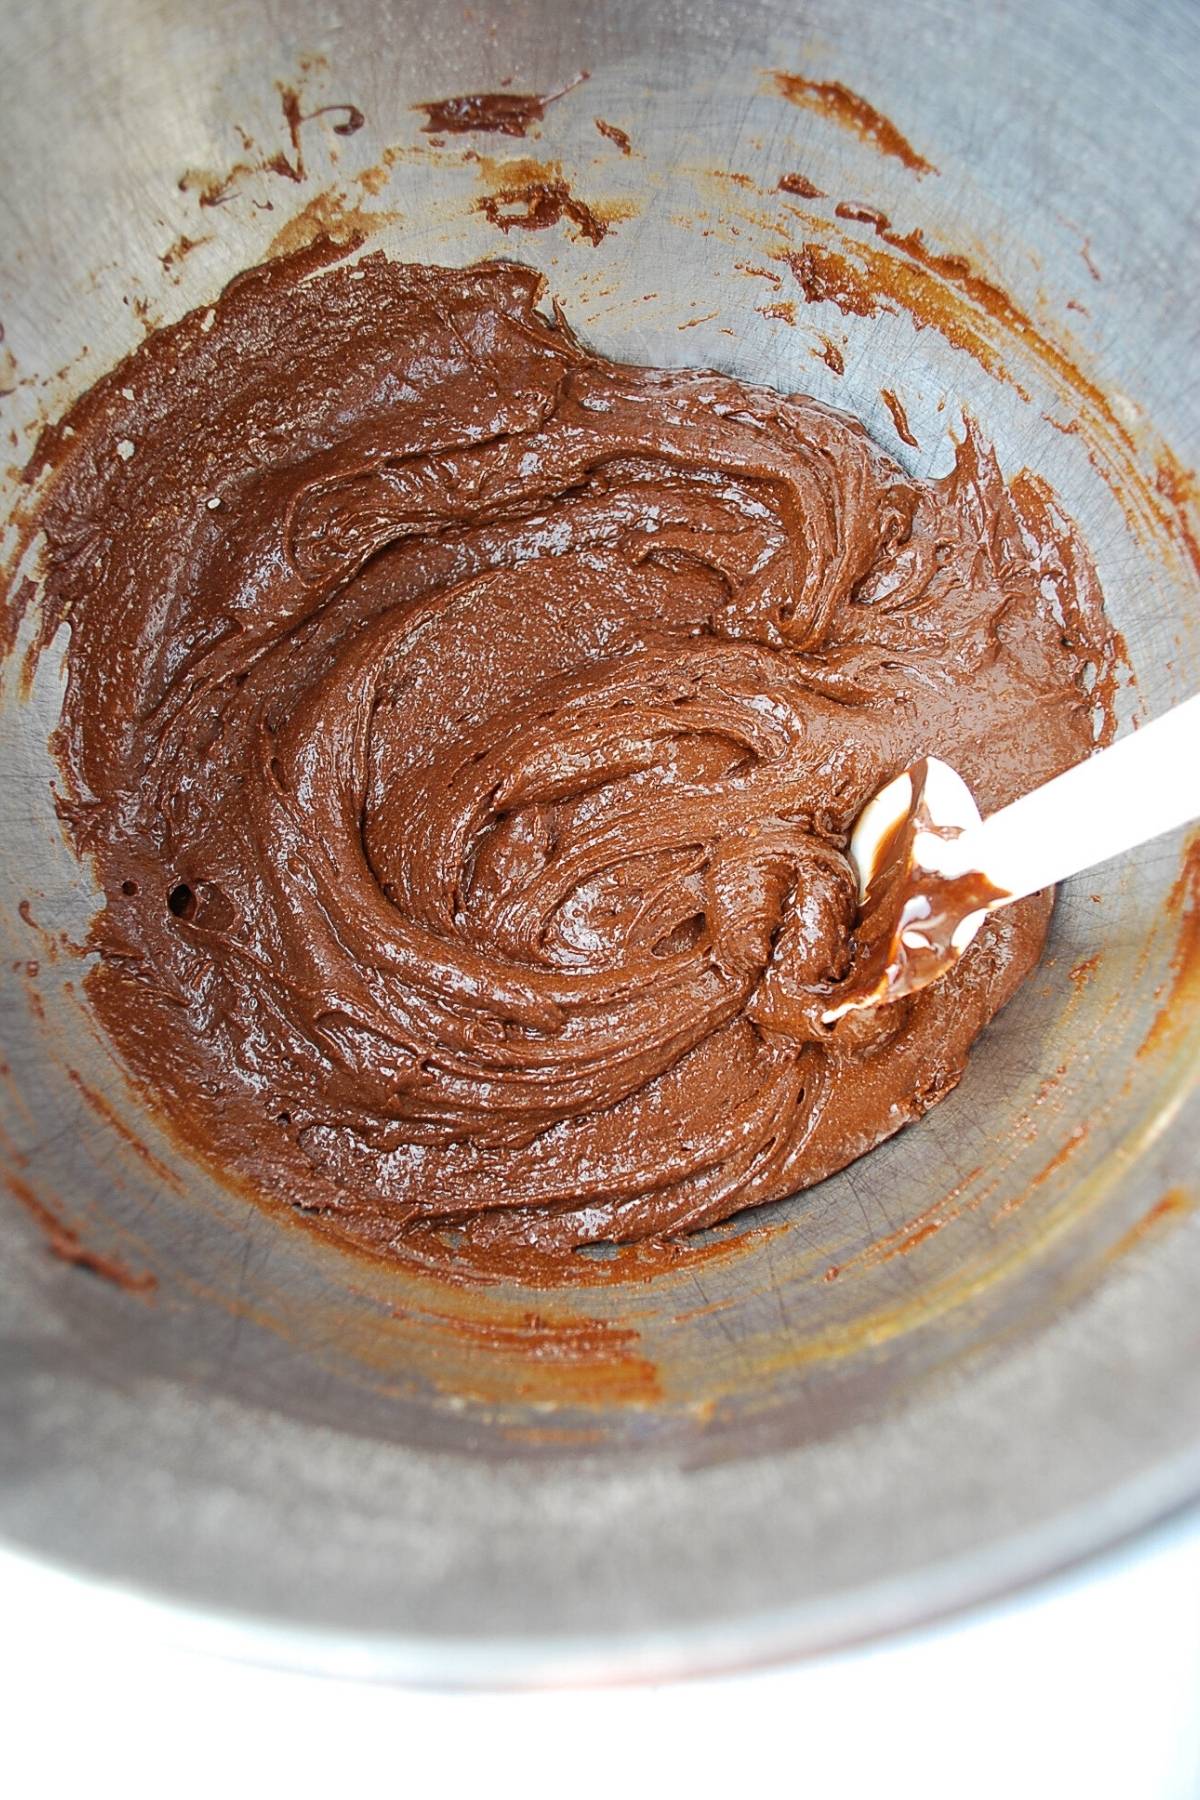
292	1453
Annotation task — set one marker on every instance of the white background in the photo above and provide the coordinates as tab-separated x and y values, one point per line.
1088	1689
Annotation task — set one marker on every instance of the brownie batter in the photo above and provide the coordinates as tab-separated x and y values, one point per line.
467	730
510	114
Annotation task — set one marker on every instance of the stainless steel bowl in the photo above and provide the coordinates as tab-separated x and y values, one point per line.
317	1458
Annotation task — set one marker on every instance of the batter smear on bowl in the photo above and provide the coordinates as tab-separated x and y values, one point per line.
466	731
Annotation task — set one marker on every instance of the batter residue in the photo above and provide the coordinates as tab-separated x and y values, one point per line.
467	730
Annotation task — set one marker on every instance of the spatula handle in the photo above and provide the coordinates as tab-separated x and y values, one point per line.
1147	783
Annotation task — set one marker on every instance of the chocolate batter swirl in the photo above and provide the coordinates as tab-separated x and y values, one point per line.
467	731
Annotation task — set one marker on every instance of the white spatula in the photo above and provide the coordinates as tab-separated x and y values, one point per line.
930	869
